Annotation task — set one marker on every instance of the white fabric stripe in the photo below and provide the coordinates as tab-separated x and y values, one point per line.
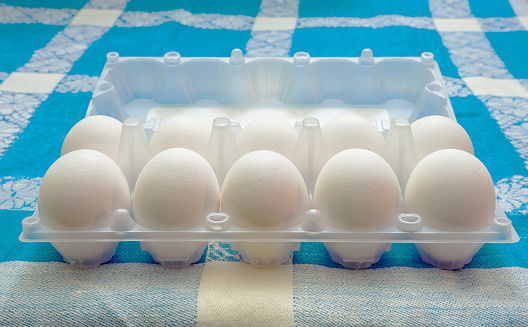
235	294
59	55
96	17
105	4
456	87
269	44
47	16
279	8
209	21
492	24
271	300
513	194
524	83
70	83
274	23
450	9
524	21
473	55
31	82
19	194
499	24
410	297
273	43
374	22
15	111
261	297
77	83
520	7
497	87
131	294
512	116
457	25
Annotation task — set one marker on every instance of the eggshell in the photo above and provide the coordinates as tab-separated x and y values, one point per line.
175	190
99	133
263	190
81	190
181	132
433	133
452	191
357	190
271	134
349	132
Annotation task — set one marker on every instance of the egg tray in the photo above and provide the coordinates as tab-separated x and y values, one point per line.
229	92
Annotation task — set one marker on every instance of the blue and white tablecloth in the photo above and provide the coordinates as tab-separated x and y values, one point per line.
51	53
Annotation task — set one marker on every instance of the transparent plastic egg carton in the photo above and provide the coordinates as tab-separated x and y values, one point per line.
228	93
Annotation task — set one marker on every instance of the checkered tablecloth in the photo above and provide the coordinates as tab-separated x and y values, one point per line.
51	53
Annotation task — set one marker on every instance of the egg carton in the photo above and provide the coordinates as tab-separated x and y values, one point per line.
227	93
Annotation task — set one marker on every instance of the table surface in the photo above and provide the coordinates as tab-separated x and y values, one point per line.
51	54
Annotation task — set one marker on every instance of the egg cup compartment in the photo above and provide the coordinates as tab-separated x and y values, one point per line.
356	255
306	92
448	256
79	253
266	254
86	254
453	255
175	254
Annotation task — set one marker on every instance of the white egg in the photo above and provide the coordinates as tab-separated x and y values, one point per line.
349	132
175	190
357	190
433	133
181	132
263	190
99	133
271	134
452	191
81	190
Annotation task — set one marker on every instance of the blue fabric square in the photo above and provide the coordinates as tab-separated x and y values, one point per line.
14	250
131	252
512	47
394	41
491	8
19	41
363	9
41	142
401	254
158	40
314	253
490	144
497	255
56	4
249	8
